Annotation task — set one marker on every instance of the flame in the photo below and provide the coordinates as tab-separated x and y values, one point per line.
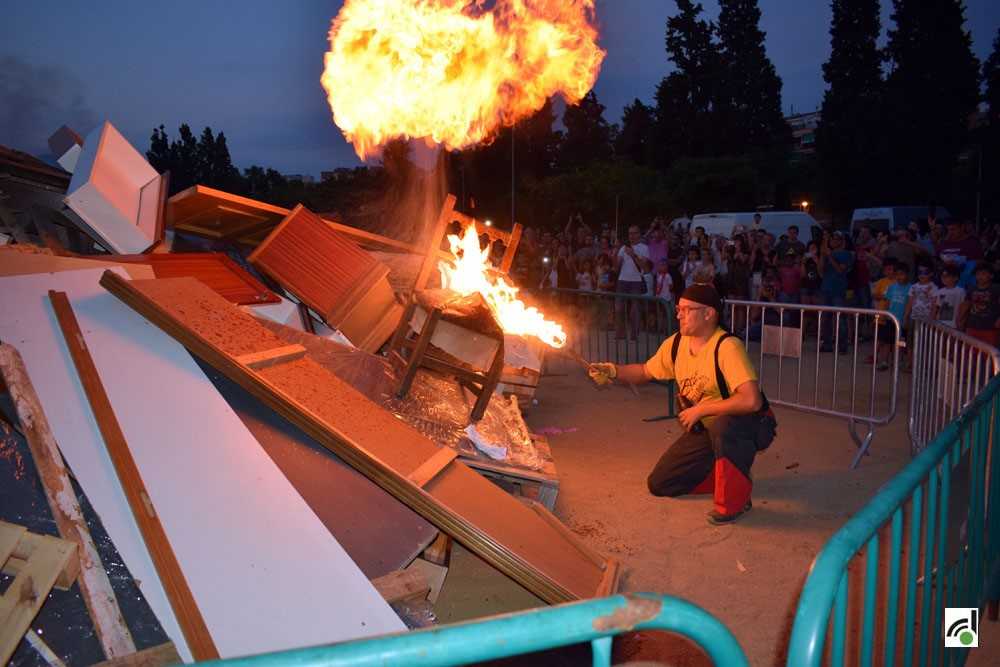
449	71
468	273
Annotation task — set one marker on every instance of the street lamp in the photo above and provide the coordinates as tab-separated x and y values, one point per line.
804	204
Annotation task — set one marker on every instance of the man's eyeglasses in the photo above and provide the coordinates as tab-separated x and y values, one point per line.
685	310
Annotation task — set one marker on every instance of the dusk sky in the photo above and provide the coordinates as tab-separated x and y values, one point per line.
252	68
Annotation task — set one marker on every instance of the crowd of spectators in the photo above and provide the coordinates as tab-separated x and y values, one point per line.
943	271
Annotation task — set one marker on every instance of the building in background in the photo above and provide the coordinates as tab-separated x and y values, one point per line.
803	132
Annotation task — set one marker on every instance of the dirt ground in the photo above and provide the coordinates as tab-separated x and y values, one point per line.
748	574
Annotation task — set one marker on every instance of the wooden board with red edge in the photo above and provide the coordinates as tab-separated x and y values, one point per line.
524	542
215	269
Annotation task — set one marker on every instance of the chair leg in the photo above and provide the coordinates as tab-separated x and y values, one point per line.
402	328
489	385
419	349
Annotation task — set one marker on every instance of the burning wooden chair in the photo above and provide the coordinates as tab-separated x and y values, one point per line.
444	332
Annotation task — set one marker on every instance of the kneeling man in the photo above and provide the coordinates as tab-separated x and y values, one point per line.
725	416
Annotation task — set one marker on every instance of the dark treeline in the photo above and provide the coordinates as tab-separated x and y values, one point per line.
896	128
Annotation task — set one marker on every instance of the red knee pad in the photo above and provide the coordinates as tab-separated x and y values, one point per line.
732	488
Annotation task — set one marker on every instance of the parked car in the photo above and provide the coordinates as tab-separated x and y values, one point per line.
775	223
891	218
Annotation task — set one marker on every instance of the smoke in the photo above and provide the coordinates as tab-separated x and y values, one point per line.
36	100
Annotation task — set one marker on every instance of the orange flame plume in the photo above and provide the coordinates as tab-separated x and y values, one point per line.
451	72
468	273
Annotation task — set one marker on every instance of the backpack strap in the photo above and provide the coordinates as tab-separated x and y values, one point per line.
720	379
673	350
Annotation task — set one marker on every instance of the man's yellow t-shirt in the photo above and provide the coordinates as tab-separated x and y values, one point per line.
695	373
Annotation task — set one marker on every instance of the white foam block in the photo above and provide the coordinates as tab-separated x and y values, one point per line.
265	572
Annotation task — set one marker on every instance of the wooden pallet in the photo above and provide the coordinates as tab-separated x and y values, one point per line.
38	563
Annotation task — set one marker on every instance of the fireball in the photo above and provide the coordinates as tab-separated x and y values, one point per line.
451	72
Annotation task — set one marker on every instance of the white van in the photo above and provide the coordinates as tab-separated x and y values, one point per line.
886	218
775	223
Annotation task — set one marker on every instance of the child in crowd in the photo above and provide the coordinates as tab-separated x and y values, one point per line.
691	266
585	279
981	311
949	297
920	304
664	283
605	276
883	283
789	278
897	296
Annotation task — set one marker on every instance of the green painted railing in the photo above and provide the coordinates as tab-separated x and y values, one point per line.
940	520
595	621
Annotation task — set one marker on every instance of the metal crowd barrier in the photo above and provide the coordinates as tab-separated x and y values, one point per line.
831	346
612	326
949	369
941	519
595	621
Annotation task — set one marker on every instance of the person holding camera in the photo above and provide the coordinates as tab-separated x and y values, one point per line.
631	262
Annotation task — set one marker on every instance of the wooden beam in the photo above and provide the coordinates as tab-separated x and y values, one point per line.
402	585
31	544
272	357
162	554
511	249
95	587
430	468
157	656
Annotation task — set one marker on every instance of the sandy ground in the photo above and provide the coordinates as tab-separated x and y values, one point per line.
748	574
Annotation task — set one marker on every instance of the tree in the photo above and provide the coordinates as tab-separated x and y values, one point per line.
989	146
931	89
686	98
849	134
588	135
634	140
749	101
191	161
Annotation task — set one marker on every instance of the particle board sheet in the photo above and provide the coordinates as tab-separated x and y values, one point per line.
215	269
324	268
380	533
265	572
520	540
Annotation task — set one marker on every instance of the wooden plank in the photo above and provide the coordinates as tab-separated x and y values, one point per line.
10	537
430	468
95	587
402	585
29	545
510	248
189	616
157	656
570	536
495	526
439	551
48	655
277	355
29	590
215	269
14	263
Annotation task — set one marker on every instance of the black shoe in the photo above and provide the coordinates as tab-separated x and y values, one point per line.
717	518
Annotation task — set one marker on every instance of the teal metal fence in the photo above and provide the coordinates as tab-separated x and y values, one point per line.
940	520
595	621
